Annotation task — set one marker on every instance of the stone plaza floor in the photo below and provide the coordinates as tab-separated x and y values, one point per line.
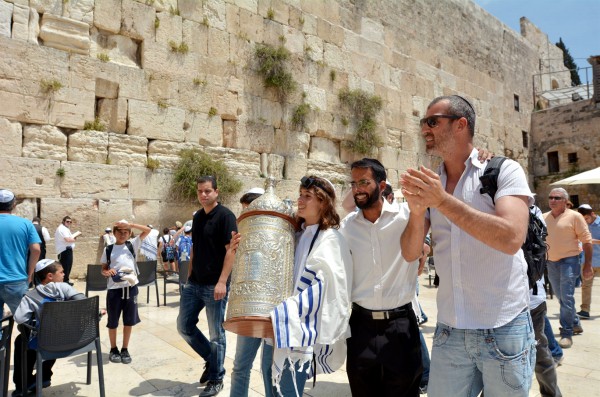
164	365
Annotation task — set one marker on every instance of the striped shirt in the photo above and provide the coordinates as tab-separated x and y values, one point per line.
480	287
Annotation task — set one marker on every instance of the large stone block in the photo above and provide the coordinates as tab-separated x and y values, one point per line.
195	34
388	157
44	142
337	173
71	111
145	184
12	137
113	112
127	150
20	22
27	208
113	210
80	10
218	44
205	129
107	15
251	26
46	6
295	167
120	49
191	9
214	11
324	149
65	34
83	212
6	11
88	146
147	212
137	20
316	97
36	177
155	122
81	181
167	153
239	162
33	30
169	28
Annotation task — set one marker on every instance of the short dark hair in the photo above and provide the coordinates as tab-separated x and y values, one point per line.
375	165
585	211
249	197
207	178
166	230
66	218
7	206
459	106
53	268
387	191
36	219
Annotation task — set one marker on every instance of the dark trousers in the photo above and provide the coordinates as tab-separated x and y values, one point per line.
384	356
66	260
31	358
545	372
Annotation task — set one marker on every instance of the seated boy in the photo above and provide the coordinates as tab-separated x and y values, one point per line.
51	288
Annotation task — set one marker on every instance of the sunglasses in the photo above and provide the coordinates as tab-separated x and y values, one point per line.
68	221
432	121
307	182
555	198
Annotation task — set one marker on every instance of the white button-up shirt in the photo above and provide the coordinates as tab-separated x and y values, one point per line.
480	287
382	279
59	238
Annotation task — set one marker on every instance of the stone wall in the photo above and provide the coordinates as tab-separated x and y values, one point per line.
65	63
572	128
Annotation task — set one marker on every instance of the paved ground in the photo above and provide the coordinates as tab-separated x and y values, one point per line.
163	364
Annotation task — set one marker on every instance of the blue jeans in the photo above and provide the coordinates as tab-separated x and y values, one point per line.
286	384
12	293
426	362
502	359
194	298
562	275
245	353
553	345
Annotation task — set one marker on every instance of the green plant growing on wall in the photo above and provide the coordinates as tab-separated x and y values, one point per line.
174	11
50	86
60	172
270	14
364	107
193	164
181	48
103	57
156	23
152	164
162	104
198	81
205	21
212	111
332	75
299	115
95	125
273	67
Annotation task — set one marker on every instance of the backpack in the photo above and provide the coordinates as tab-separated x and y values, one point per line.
185	247
38	229
168	252
534	248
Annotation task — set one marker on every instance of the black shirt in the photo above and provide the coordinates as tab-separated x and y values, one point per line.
210	234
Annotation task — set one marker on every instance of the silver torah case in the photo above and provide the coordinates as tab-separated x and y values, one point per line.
262	275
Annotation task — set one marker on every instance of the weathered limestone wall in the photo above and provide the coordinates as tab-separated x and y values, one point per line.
113	61
572	128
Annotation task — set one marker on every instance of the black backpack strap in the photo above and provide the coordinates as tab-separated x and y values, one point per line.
489	179
130	248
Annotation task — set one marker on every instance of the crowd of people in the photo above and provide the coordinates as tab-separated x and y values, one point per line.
492	333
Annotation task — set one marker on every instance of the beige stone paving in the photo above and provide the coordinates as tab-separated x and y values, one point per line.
164	365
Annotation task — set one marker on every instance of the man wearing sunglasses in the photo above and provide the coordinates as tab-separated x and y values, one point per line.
566	228
484	336
64	242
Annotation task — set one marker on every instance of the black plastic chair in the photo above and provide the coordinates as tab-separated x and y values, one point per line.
94	280
181	278
147	277
5	346
67	329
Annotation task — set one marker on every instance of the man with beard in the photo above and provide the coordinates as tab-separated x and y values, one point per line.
384	352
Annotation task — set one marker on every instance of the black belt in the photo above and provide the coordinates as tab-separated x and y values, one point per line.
391	314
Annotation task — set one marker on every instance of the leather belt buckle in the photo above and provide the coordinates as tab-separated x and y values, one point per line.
380	315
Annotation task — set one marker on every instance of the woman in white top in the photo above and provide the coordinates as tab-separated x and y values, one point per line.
312	325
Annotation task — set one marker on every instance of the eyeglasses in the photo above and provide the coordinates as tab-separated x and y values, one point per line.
432	121
363	183
307	182
68	221
555	198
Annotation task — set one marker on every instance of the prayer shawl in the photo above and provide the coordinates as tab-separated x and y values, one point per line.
315	319
150	245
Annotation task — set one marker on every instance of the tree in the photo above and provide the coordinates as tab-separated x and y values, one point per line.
569	63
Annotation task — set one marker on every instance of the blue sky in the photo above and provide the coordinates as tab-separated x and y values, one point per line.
576	21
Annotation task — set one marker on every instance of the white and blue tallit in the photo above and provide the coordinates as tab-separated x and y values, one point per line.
315	319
